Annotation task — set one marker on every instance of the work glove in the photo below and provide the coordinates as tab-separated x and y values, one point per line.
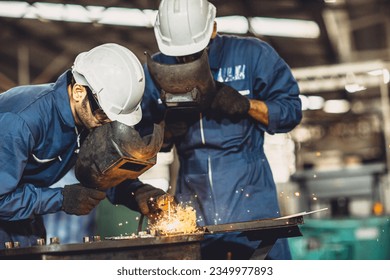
177	123
152	201
176	129
172	131
79	200
229	101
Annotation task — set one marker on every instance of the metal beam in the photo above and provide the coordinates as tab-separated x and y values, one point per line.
59	63
5	82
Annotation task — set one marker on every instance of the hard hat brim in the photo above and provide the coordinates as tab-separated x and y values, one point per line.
130	119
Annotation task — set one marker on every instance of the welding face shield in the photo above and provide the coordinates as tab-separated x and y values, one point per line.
115	152
188	84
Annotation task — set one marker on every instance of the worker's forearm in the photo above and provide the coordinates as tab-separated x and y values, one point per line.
259	111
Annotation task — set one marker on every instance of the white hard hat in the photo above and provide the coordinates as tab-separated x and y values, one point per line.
184	27
117	78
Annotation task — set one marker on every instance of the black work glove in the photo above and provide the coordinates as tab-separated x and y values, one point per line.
79	200
151	200
229	101
176	129
172	131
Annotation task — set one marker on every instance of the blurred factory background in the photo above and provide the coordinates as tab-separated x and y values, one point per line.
339	50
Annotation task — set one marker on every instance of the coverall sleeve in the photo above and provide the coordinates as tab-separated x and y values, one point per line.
276	86
18	200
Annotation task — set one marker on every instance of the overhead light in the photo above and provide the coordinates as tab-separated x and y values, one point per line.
379	72
95	13
59	12
332	2
233	24
312	102
336	106
302	134
78	13
13	9
126	17
351	88
304	102
316	102
284	27
146	18
352	84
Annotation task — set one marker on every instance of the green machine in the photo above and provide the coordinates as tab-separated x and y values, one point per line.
342	235
343	239
117	220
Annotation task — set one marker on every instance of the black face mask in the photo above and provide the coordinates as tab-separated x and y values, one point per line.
115	152
188	84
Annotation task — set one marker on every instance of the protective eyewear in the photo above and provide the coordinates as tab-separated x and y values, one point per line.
93	102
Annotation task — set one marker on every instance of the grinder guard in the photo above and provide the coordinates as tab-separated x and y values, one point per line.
183	85
115	152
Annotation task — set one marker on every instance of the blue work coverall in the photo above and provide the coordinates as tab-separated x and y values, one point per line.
39	144
223	171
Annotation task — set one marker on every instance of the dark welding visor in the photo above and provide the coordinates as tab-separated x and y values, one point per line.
115	152
188	84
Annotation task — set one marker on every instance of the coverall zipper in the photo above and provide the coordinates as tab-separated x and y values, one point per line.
201	128
209	169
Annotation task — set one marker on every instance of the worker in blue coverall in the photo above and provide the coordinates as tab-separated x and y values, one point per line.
42	128
223	169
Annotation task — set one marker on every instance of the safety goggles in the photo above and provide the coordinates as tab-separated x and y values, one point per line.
93	102
96	109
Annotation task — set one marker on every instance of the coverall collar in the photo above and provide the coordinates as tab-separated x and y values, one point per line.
215	51
62	99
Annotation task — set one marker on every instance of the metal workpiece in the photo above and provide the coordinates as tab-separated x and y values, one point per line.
41	241
148	246
183	247
89	239
54	240
256	225
266	230
96	238
10	244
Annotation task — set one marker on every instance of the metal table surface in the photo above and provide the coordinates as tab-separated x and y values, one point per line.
173	247
266	230
141	248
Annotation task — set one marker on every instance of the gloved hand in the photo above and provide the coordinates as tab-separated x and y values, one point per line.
176	129
151	200
80	200
229	100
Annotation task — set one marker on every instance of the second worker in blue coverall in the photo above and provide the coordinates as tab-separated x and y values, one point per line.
223	169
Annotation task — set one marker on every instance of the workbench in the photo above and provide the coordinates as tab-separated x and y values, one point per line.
185	247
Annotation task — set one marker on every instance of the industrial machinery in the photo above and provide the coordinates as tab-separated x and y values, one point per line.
343	161
343	239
